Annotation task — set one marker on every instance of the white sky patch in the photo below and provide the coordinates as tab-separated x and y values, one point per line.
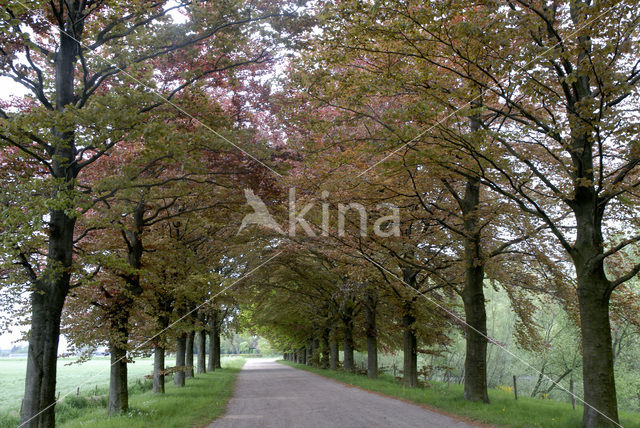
176	15
9	339
9	89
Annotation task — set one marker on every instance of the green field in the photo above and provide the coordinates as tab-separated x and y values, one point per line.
200	401
86	376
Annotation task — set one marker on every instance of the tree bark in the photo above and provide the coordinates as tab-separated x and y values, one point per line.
119	332
40	382
178	376
334	351
475	364
348	346
211	364
188	357
597	354
410	348
158	370
311	352
324	361
118	388
370	304
216	345
315	351
159	350
201	342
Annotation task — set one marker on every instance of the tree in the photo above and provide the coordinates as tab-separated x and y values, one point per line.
57	56
548	87
577	150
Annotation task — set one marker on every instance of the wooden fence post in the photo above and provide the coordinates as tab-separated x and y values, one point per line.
515	387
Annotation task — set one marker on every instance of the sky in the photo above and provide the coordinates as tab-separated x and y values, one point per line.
9	88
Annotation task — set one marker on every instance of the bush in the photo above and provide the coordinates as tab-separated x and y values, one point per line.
76	402
141	385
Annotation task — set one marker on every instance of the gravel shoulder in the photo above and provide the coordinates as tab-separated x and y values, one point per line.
268	394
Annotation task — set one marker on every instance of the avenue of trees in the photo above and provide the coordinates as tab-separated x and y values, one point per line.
412	155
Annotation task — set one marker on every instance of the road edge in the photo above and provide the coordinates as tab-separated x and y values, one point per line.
459	418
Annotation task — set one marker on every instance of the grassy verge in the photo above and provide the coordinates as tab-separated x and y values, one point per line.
202	399
503	411
87	375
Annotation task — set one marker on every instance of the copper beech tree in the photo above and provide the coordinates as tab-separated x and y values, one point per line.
527	100
88	69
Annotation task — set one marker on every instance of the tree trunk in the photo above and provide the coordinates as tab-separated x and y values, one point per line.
334	353
211	364
158	370
307	355
40	382
51	289
539	381
348	346
178	376
410	347
159	349
324	361
597	355
119	332
201	343
188	358
216	346
372	334
594	291
311	351
315	351
475	365
118	387
119	313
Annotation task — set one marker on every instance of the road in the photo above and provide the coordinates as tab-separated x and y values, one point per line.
269	394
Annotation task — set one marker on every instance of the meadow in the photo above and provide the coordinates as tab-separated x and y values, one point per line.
201	400
71	375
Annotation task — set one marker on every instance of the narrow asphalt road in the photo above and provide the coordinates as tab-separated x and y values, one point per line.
269	394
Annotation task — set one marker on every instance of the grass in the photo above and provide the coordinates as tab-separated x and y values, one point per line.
87	375
202	399
503	411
